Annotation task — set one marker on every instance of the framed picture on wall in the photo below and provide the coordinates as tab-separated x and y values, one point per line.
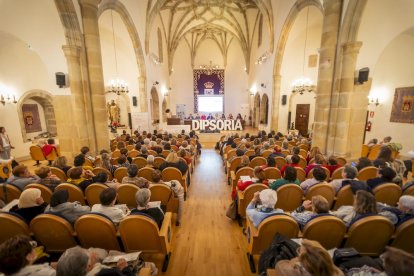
31	118
402	107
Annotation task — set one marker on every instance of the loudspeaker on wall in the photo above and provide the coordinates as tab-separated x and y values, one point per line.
284	99
134	101
363	75
61	79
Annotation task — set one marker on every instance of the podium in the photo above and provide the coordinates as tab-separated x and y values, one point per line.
174	121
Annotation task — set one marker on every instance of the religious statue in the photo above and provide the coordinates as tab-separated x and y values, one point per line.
113	112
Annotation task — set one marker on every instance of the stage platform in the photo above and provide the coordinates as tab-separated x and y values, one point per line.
209	140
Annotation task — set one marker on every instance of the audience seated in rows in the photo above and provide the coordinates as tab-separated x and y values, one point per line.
132	178
262	206
30	204
71	211
142	198
107	206
21	177
47	178
290	177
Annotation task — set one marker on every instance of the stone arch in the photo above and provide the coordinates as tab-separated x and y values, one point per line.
45	100
256	109
280	50
264	109
352	20
155	105
118	7
164	107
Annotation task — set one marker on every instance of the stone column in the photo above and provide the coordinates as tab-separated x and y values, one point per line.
330	29
89	11
277	80
143	100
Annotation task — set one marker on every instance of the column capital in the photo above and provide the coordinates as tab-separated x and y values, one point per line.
71	51
351	47
90	3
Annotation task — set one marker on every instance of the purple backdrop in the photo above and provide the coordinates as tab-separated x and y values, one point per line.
207	82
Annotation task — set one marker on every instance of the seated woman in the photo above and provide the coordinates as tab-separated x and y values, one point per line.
107	207
319	162
318	206
142	197
385	159
102	178
295	163
289	178
243	163
262	206
403	212
30	204
173	160
61	163
313	259
106	163
47	178
319	176
17	257
21	177
81	177
132	178
384	175
49	147
150	162
259	177
123	161
59	205
183	154
363	162
332	164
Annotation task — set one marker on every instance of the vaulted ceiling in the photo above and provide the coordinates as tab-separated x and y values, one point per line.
223	21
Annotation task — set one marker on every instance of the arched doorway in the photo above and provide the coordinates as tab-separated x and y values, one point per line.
264	109
256	109
302	111
155	106
36	115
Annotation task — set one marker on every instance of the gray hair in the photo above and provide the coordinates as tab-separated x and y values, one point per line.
74	261
142	197
268	198
266	145
150	159
350	172
147	141
407	201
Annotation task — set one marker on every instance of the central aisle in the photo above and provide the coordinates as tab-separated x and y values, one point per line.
207	242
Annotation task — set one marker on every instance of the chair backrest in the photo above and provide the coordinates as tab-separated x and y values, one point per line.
130	147
272	173
116	154
328	173
133	153
302	162
244	171
388	193
374	151
161	192
5	169
53	232
231	153
11	226
404	238
165	153
258	161
367	173
46	192
341	161
370	235
328	230
140	162
266	153
100	169
59	173
140	233
52	155
323	189
152	152
174	148
303	153
9	192
36	153
92	193
344	197
286	152
120	173
114	161
300	174
364	151
158	161
248	196
289	197
409	191
146	173
88	163
105	238
75	193
234	164
126	195
280	162
171	173
249	152
337	174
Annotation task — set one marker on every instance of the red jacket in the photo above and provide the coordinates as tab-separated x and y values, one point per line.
47	149
243	185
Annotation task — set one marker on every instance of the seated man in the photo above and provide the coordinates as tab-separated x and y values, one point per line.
21	177
318	206
79	161
319	176
81	177
107	207
47	178
142	197
132	178
404	211
349	173
384	175
266	202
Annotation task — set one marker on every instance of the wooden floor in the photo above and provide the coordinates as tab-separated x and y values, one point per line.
207	242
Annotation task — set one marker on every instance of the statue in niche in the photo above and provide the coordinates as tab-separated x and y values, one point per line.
113	112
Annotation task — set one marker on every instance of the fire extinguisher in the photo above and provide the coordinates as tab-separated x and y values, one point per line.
368	127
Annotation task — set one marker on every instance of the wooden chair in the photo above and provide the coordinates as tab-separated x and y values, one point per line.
92	193
374	151
59	173
364	151
249	152
344	197
404	238
104	238
12	225
100	170
272	173
114	161
328	173
126	195
258	239
302	162
163	193
141	233
9	192
88	163
152	152
244	197
324	189
370	235
280	162
133	153
286	152
388	193
75	193
328	230
158	161
409	191
171	173
289	197
165	153
130	147
341	161
231	167
303	153
146	173
56	234
300	174
243	171
120	173
367	173
116	154
36	154
5	169
257	161
140	162
337	174
311	161
266	153
230	154
46	192
174	148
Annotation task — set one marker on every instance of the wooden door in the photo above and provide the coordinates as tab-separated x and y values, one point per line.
302	118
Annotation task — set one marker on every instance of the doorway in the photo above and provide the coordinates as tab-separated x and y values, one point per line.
302	118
